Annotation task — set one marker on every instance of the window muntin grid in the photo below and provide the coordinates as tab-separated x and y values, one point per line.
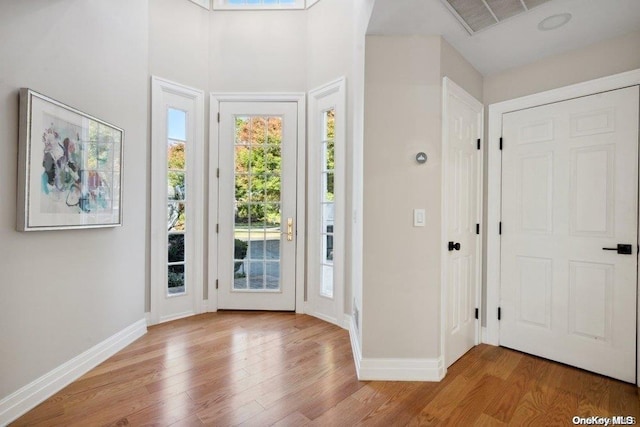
176	201
327	202
257	209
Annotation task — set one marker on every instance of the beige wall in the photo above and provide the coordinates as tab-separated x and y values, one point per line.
362	14
403	116
179	42
330	55
401	264
66	291
458	69
602	59
258	51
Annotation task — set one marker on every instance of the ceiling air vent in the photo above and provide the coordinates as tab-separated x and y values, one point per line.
476	15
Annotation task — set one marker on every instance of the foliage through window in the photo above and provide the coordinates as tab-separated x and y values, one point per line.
258	185
176	200
327	201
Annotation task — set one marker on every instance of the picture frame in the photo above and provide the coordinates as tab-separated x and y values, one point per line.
69	167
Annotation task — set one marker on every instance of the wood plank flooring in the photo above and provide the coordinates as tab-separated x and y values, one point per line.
263	369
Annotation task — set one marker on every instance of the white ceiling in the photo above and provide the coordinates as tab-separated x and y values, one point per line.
516	41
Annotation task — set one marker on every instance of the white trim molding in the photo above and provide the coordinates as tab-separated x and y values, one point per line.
383	369
330	96
355	345
167	94
205	4
401	369
494	194
343	322
227	5
215	99
34	393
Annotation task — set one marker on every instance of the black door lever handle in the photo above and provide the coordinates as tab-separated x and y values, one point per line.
453	246
622	249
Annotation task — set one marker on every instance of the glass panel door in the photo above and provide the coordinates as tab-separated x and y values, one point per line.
257	226
258	145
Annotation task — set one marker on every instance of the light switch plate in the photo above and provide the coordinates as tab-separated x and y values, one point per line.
419	219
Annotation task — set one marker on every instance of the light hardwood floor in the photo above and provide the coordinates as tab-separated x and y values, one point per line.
262	369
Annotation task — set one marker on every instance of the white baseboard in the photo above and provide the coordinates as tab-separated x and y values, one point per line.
327	319
380	369
355	346
342	321
177	316
34	393
346	321
383	369
489	338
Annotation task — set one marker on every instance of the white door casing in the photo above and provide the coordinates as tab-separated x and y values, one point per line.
328	98
271	251
491	333
462	216
166	95
569	189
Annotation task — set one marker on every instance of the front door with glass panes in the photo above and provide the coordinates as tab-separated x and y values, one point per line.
257	206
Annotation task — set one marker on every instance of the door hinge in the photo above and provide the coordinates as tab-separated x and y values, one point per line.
218	117
217	228
218	173
478	143
477	313
216	283
499	313
477	228
500	228
500	143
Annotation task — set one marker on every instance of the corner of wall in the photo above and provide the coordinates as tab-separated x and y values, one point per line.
32	394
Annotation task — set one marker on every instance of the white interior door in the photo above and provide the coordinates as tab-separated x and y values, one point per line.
570	190
463	207
257	205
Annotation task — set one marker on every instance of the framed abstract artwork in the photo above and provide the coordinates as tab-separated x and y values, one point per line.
69	167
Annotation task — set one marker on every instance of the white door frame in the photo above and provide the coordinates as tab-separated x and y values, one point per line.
337	89
450	87
491	335
158	208
215	100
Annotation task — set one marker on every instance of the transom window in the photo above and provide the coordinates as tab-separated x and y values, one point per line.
258	4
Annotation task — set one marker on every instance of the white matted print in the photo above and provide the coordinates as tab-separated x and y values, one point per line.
70	167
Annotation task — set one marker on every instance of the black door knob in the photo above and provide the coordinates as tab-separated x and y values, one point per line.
454	246
621	248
